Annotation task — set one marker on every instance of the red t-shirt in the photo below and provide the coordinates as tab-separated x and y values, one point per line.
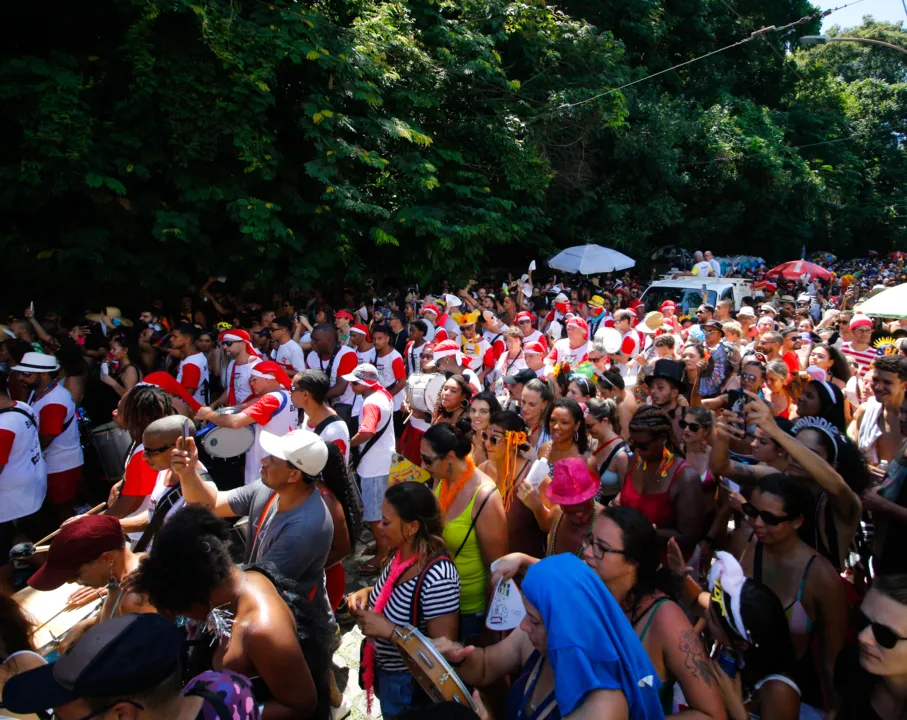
792	361
140	478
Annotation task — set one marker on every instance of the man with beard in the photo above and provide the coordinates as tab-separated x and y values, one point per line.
243	357
664	389
58	431
877	429
193	368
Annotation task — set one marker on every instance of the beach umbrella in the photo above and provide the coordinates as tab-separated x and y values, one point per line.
796	269
890	303
590	259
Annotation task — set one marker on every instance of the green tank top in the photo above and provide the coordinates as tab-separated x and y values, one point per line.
470	566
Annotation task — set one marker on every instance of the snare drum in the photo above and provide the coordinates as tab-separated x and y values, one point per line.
422	391
112	443
429	668
54	618
222	442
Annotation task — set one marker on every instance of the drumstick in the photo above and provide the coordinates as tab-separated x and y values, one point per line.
96	508
66	608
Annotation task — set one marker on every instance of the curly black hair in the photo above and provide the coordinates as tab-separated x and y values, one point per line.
190	557
142	406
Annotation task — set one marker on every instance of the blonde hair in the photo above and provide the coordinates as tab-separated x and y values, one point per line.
733	326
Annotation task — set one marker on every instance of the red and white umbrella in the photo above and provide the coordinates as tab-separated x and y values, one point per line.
797	269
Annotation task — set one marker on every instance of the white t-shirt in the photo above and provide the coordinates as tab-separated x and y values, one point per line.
345	361
194	370
414	358
290	357
239	381
703	268
390	371
368	356
378	410
479	352
563	353
54	406
23	480
274	413
536	336
160	489
716	267
336	432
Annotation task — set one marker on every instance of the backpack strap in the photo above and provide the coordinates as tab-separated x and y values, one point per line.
27	414
327	421
417	593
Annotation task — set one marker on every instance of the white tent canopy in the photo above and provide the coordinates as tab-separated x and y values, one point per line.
890	303
590	259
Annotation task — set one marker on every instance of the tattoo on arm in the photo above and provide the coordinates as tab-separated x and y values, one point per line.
695	659
742	470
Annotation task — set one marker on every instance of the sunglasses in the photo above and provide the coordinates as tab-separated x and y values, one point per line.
492	438
228	343
525	322
599	551
748	377
751	511
428	461
596	359
693	426
640	445
158	451
885	636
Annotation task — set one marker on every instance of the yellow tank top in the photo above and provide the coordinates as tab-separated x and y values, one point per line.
470	566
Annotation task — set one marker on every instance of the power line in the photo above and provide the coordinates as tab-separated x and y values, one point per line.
752	36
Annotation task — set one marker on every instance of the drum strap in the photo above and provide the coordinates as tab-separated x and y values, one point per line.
261	521
432	561
26	414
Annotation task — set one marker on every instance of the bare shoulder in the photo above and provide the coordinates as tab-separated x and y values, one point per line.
488	469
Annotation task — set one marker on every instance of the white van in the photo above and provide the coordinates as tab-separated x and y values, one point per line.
690	292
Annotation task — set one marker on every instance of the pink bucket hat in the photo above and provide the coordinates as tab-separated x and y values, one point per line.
572	483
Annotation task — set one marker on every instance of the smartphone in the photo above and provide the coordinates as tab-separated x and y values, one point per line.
185	434
31	307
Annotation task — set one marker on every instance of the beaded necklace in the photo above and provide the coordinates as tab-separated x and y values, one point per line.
557	524
447	493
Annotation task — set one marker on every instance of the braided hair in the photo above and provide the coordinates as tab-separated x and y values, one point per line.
142	405
654	420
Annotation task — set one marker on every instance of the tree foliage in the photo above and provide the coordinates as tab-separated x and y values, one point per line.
152	142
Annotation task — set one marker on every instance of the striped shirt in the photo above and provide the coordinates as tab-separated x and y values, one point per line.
864	358
440	595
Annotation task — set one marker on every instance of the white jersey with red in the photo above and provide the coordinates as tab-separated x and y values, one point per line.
290	357
345	361
562	353
863	358
239	389
138	481
390	371
413	362
473	380
441	335
56	413
23	479
632	344
193	375
165	481
377	417
496	340
367	356
337	432
479	352
536	336
274	413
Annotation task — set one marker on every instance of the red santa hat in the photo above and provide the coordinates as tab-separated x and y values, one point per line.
270	370
361	330
578	322
431	309
667	305
166	382
859	320
236	335
448	348
523	316
534	347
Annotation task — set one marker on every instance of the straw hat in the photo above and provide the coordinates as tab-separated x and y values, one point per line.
110	316
651	322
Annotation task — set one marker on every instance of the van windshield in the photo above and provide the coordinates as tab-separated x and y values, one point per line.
686	299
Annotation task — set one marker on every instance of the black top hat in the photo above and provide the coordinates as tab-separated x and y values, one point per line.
667	369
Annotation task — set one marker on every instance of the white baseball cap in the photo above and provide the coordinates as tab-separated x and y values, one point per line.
301	448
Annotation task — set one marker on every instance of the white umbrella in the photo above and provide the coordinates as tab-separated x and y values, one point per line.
590	259
890	303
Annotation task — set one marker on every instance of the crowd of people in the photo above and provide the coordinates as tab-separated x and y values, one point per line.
703	513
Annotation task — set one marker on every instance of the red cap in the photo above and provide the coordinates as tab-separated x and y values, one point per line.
523	316
580	323
166	382
80	542
271	370
534	347
344	314
362	330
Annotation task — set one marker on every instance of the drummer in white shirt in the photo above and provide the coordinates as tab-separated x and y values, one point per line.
272	411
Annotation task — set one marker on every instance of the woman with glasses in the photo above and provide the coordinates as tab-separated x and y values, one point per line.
771	551
660	484
482	407
475	523
622	549
509	461
751	377
609	460
870	680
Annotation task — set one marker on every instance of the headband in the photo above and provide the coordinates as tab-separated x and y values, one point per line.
822	425
726	581
831	393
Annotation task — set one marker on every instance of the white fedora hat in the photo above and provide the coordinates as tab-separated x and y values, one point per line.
33	362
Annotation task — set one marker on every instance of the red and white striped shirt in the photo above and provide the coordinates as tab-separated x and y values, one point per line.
864	358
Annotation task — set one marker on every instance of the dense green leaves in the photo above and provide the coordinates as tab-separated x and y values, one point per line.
150	143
